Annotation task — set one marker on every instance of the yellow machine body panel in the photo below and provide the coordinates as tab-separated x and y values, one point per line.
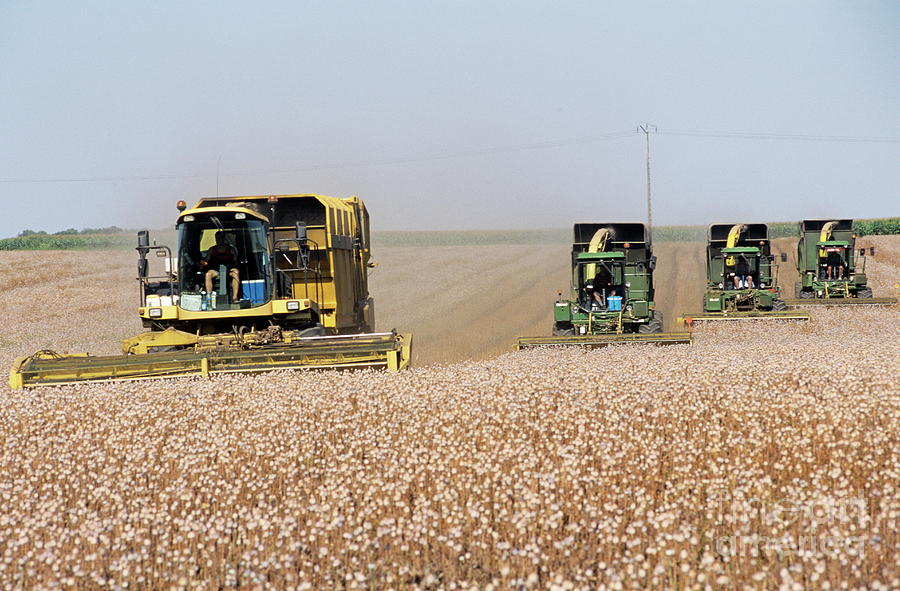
734	235
272	308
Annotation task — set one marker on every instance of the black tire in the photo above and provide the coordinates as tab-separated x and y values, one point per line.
778	306
864	293
654	326
563	329
165	349
313	331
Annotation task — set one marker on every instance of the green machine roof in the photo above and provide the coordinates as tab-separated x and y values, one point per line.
600	256
741	250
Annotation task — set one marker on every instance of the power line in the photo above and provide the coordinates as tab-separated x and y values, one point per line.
347	165
101	179
450	155
541	145
781	136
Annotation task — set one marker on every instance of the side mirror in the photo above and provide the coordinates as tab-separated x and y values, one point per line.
784	257
652	263
872	250
143	247
862	252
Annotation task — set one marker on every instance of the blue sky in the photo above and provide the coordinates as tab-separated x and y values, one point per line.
449	115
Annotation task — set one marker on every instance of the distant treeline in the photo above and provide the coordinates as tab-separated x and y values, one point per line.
114	237
73	232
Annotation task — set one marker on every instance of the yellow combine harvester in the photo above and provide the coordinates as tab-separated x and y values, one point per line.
257	283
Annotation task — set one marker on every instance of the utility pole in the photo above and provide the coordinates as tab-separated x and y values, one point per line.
218	171
647	129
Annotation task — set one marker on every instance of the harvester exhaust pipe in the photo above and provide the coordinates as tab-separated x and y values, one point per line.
272	200
302	245
143	247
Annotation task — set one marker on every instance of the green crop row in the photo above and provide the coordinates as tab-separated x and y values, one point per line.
878	226
68	242
41	241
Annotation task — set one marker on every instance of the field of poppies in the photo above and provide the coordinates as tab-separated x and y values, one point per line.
765	455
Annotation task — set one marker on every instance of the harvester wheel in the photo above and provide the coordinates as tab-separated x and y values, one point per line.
313	331
654	326
778	306
563	329
864	293
165	349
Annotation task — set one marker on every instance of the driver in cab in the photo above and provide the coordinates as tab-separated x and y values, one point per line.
602	287
221	254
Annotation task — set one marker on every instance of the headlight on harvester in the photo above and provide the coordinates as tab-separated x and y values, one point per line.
628	284
293	306
762	284
721	285
155	313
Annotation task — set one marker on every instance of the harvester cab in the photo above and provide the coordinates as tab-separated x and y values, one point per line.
223	260
612	291
741	276
256	283
831	272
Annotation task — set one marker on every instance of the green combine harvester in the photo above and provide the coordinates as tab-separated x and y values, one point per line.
830	271
611	293
742	277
